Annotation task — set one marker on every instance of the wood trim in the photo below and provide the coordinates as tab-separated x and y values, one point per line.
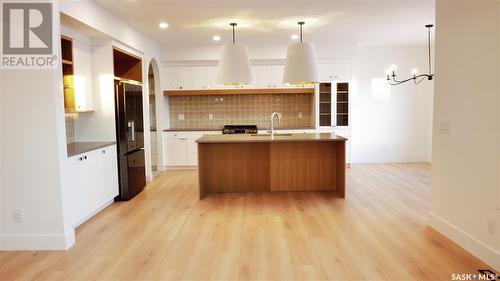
130	81
127	53
170	93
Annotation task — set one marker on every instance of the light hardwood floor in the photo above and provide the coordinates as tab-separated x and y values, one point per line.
378	232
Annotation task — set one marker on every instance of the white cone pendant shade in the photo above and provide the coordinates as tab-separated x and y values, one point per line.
234	65
301	66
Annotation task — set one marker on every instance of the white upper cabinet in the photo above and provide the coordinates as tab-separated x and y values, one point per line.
199	77
334	71
211	77
171	76
278	72
325	71
82	78
270	76
189	78
264	76
185	78
342	71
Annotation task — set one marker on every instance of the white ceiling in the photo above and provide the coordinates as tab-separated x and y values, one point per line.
194	22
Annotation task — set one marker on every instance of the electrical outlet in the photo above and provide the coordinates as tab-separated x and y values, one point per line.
445	128
300	115
210	116
180	117
18	215
491	226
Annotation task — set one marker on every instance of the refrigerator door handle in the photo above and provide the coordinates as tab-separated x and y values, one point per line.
131	125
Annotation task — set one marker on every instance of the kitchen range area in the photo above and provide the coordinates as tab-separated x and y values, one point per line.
249	140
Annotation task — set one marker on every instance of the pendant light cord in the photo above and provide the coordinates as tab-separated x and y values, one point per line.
301	23
429	44
233	24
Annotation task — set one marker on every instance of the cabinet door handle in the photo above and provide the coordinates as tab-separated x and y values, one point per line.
80	158
182	138
85	157
104	152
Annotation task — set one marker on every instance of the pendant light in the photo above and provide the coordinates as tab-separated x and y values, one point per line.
234	66
391	78
301	66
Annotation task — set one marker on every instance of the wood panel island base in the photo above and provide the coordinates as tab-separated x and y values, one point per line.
253	163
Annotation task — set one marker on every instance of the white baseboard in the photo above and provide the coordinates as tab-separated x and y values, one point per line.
149	178
466	241
37	242
93	213
176	168
389	159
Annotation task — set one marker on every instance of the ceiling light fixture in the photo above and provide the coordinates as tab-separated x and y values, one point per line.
216	38
301	66
391	78
234	65
163	25
294	37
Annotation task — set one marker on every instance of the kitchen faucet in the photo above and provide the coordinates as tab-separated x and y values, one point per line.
271	126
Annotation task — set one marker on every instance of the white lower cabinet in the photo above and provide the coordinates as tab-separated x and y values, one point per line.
92	182
109	173
176	151
181	149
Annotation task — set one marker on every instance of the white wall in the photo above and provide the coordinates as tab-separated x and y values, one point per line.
390	123
465	174
2	203
33	139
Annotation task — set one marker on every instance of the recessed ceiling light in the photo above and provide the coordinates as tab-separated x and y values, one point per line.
294	37
216	38
163	25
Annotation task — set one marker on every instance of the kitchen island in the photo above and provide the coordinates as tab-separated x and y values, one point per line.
283	162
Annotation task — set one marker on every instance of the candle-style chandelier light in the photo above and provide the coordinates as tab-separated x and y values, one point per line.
417	78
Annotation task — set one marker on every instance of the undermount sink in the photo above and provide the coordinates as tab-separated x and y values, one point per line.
276	135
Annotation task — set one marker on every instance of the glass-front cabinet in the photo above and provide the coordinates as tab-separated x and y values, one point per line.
333	104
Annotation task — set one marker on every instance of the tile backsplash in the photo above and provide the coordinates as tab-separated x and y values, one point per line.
213	112
70	128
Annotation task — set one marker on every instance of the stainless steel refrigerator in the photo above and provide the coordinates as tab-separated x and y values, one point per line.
130	139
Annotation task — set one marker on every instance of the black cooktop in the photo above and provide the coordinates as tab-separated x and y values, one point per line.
239	129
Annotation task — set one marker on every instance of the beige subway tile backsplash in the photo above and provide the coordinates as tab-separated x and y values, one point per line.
70	128
240	110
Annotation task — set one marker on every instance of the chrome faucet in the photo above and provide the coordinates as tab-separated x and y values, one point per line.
271	126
